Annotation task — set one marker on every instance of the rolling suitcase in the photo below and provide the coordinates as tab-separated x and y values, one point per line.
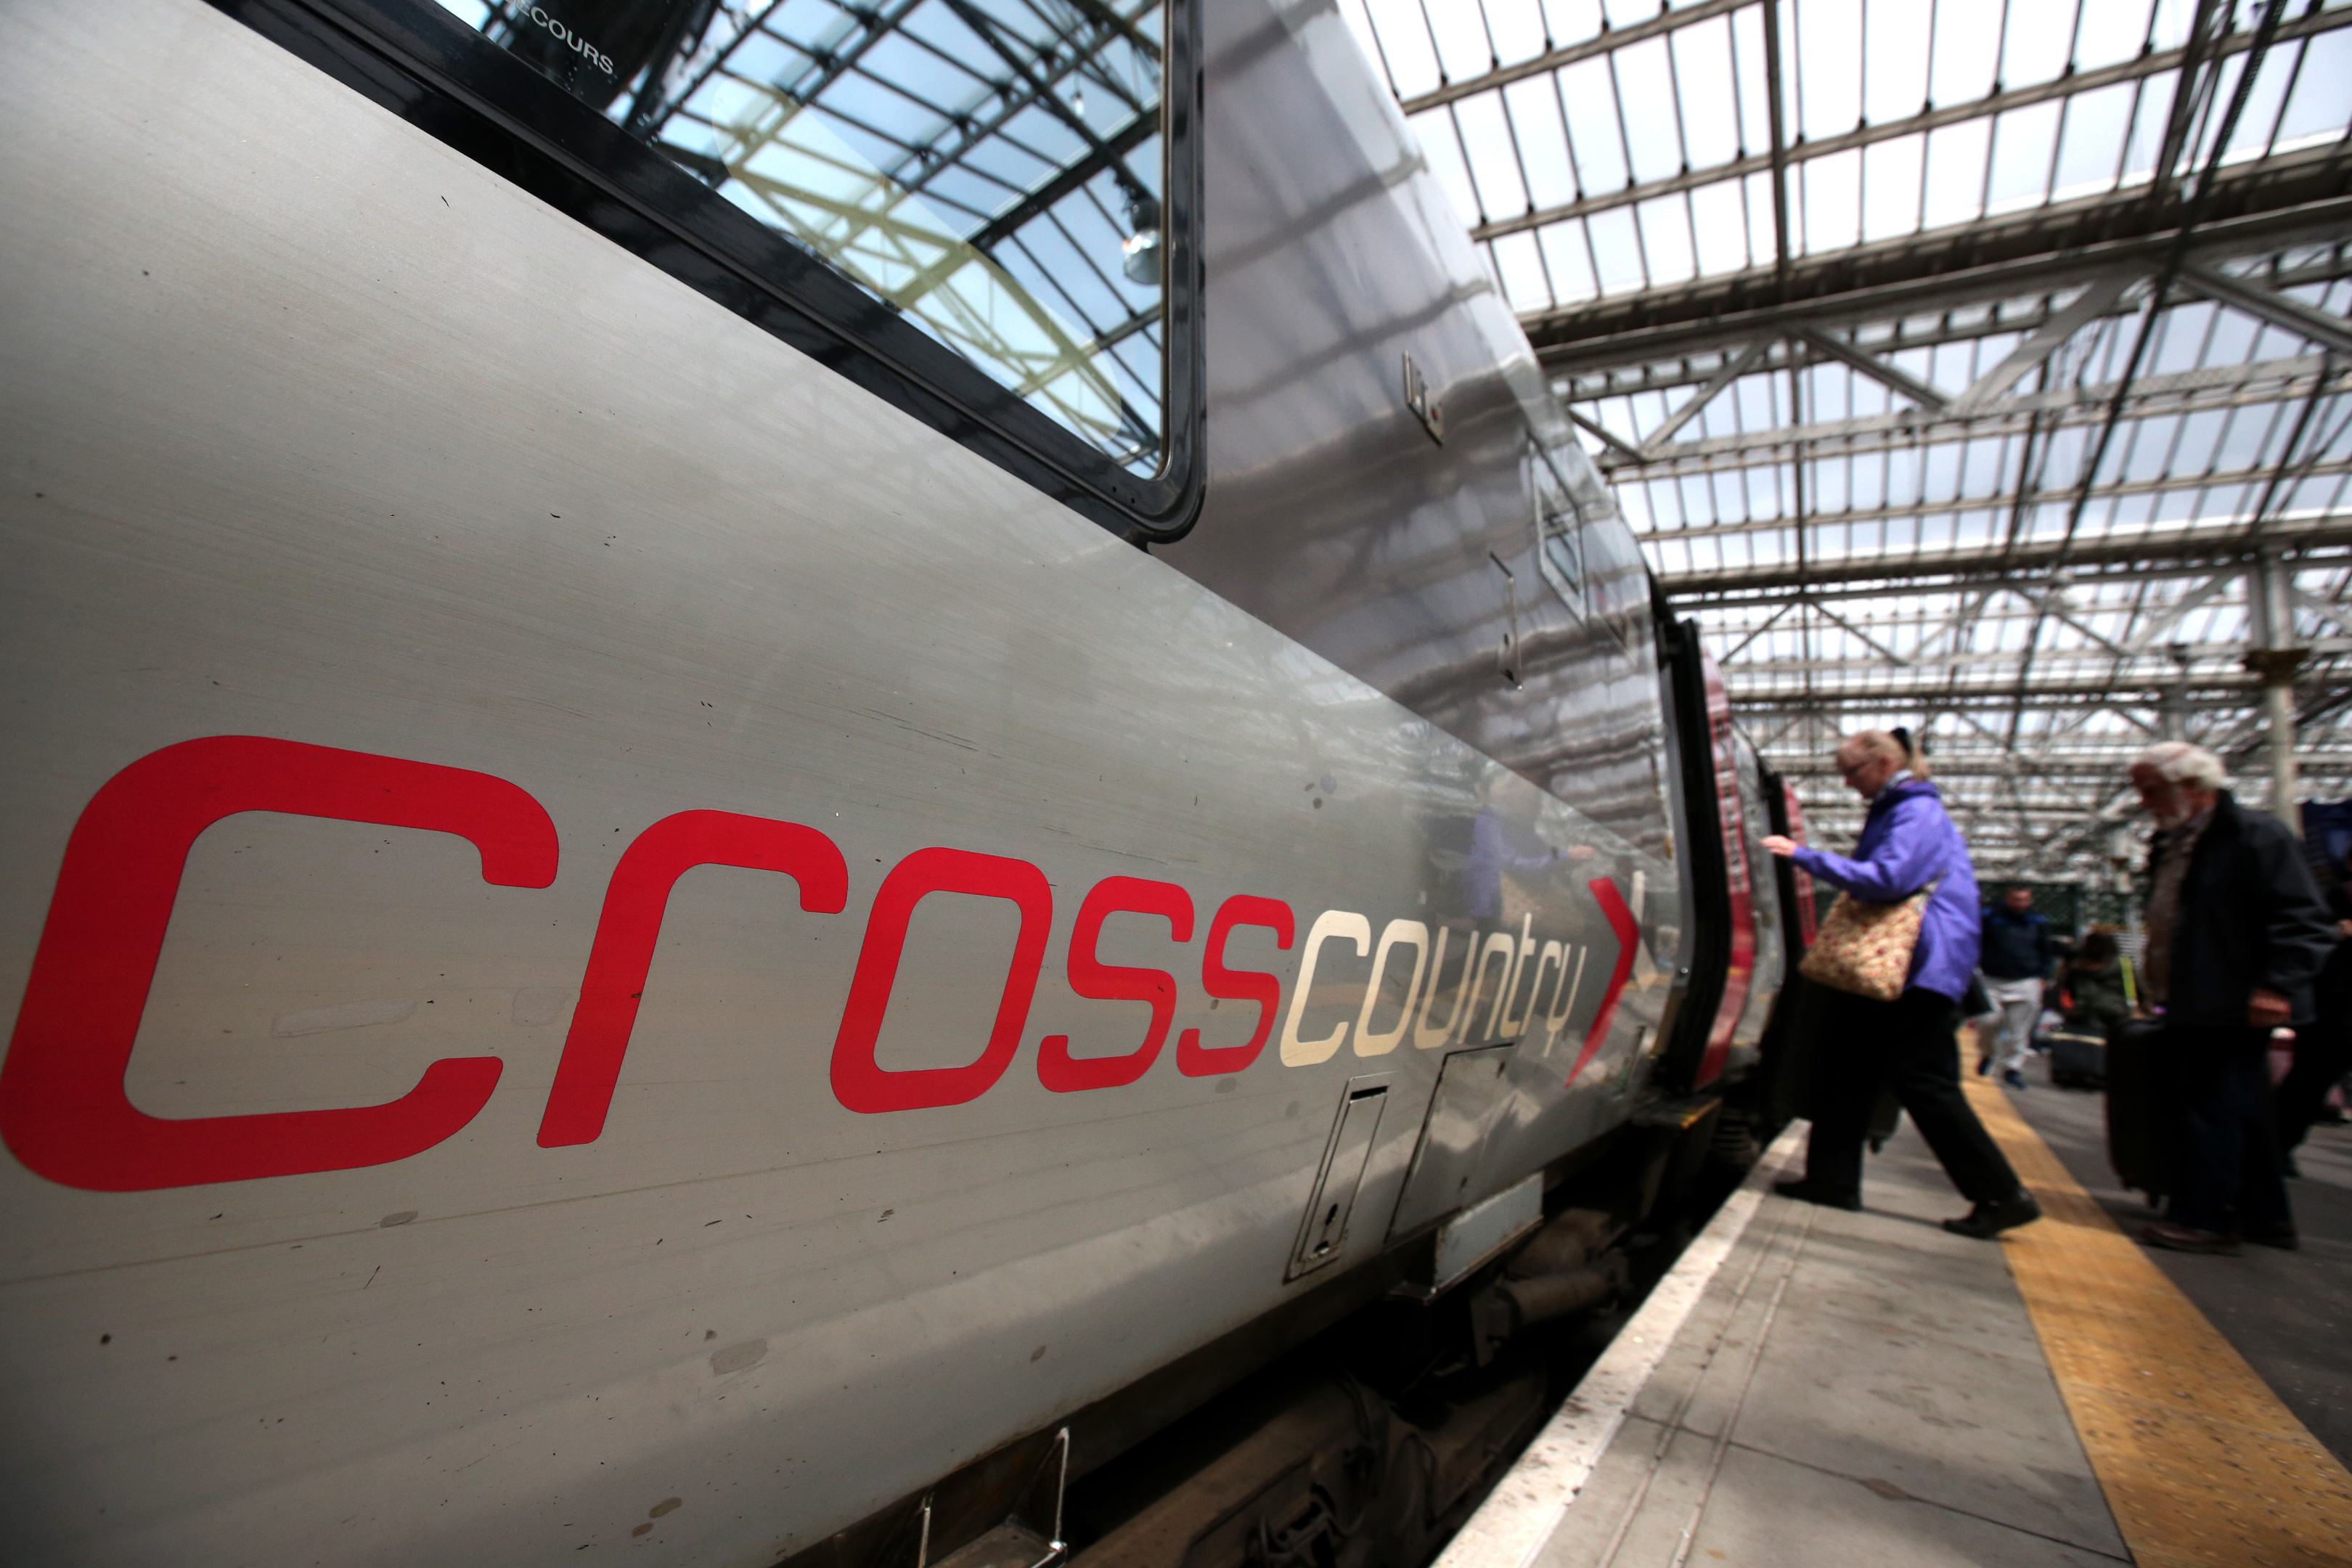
2078	1060
2140	1133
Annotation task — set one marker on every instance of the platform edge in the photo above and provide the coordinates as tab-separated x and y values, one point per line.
1527	1505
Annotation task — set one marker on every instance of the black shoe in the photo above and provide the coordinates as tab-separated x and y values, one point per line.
1984	1066
2014	1079
2281	1236
1805	1190
2189	1238
1988	1220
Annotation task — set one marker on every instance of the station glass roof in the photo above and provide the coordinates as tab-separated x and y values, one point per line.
1957	360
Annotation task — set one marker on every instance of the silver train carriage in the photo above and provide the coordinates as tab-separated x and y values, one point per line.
775	767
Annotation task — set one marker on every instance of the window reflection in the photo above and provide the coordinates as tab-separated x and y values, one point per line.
991	169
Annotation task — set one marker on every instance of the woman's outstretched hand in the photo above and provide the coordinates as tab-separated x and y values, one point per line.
1783	847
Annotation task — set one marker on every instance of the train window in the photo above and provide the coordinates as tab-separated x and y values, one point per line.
1010	182
1618	581
1560	541
989	169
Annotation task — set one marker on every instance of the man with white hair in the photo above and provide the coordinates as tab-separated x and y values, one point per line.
2236	932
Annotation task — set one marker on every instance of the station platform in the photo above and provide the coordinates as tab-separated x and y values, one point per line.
1819	1388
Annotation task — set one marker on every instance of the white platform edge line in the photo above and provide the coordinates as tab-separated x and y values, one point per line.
1527	1505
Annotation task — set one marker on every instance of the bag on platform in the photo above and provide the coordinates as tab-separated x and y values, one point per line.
1865	948
2143	1117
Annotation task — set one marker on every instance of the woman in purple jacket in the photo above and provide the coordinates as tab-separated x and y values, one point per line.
1908	842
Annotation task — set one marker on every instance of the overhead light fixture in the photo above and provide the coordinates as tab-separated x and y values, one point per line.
1140	255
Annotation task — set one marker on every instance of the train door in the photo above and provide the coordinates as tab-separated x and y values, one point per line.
1718	969
1766	910
1796	885
1739	879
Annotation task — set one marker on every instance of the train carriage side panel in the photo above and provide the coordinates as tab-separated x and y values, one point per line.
603	945
1477	572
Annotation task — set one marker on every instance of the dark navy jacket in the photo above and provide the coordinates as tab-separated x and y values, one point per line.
2250	915
1909	840
2016	947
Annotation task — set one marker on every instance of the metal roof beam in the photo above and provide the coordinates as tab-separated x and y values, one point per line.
1900	381
2098	300
2216	389
2197	541
2179	392
2114	760
1613	38
1927	654
1614	443
2258	206
1960	586
1947	696
2282	311
2169	484
2155	670
1734	367
1926	120
2028	312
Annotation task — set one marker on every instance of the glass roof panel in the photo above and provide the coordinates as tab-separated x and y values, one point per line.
2058	347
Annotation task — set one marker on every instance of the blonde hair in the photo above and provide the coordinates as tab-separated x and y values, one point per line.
1881	744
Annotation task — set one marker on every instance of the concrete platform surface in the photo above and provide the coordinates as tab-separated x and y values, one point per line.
1827	1388
1850	1388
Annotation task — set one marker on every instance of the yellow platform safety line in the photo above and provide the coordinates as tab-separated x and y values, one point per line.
2202	1466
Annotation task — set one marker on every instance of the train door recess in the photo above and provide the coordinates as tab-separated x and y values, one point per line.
1721	885
1739	882
1794	1010
1796	885
1676	785
1769	925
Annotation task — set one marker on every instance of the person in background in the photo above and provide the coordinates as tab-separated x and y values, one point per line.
2092	985
2016	955
2236	933
2323	1051
1908	842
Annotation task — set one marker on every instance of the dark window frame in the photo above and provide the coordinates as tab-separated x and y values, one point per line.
427	66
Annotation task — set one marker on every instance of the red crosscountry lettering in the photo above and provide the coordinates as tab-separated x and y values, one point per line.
863	1084
63	1111
623	952
1089	977
1196	1060
1629	934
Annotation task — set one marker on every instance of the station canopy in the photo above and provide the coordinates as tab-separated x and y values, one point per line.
1977	366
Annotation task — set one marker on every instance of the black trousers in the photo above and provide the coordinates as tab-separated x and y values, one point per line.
2227	1178
1909	1046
